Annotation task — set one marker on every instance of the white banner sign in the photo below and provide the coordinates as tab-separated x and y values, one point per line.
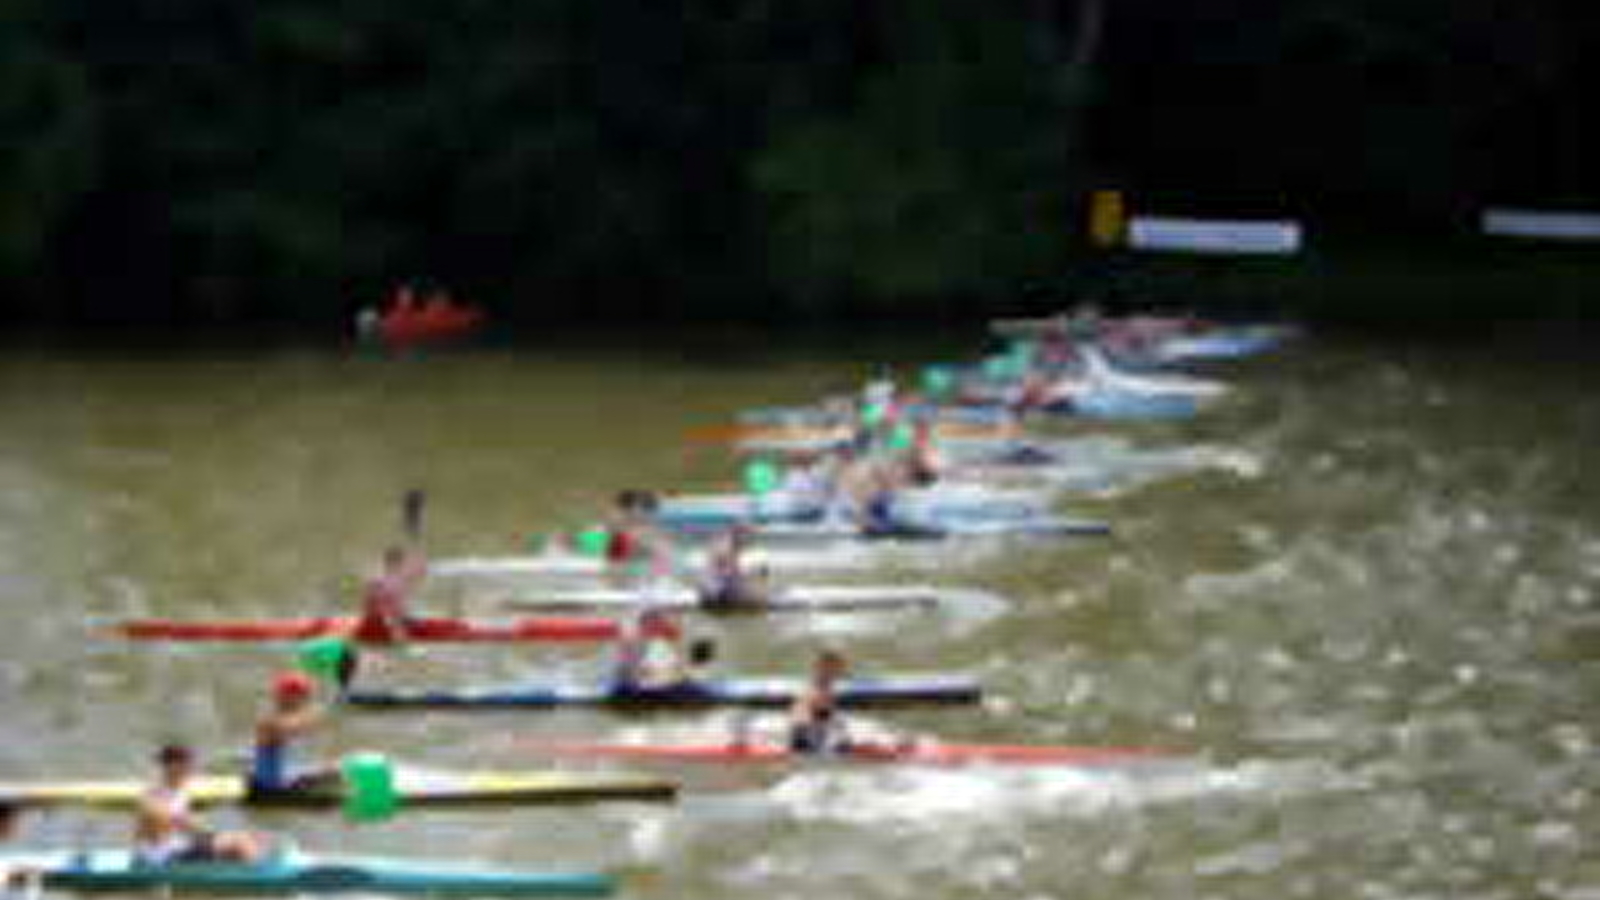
1530	223
1279	237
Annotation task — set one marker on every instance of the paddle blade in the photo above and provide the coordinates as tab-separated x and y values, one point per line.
324	658
592	541
761	477
370	794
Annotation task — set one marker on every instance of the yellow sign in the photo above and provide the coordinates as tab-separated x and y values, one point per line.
1108	218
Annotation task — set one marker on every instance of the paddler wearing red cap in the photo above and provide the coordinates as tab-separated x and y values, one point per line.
635	543
292	715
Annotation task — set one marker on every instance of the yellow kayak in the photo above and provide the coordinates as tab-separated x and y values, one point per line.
413	786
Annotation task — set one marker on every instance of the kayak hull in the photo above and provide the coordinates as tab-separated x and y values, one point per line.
1127	406
570	566
117	870
918	530
1223	343
912	753
745	692
544	629
415	788
800	598
939	504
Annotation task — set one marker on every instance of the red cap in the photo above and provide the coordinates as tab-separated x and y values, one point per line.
293	686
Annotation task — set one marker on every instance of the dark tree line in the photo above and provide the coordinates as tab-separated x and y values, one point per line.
236	161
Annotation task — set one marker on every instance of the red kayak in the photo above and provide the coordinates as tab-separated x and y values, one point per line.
408	322
920	752
543	628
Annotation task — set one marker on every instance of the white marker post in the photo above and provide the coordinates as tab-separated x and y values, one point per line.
1543	225
1231	237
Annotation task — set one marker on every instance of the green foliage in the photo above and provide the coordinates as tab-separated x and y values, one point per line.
47	131
236	161
907	192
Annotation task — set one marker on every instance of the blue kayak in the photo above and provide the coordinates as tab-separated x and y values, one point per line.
853	692
1224	343
292	872
911	530
1127	406
1107	404
820	416
710	511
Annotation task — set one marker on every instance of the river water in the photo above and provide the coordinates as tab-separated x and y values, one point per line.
1360	596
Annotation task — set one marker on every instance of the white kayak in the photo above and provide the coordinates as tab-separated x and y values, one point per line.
1099	371
838	557
914	532
791	598
951	501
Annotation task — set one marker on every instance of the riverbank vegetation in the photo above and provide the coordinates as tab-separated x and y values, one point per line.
228	163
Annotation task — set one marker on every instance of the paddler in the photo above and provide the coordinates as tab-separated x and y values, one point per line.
869	490
293	715
814	723
166	829
920	464
385	597
18	877
649	653
730	583
634	538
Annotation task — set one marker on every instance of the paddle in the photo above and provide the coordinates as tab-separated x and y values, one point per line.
331	660
411	510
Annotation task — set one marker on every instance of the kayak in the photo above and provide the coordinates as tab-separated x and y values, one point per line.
1104	403
1108	377
430	323
813	442
1117	405
427	630
1223	343
919	752
796	598
820	416
723	510
569	566
294	872
917	530
980	427
851	692
414	787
